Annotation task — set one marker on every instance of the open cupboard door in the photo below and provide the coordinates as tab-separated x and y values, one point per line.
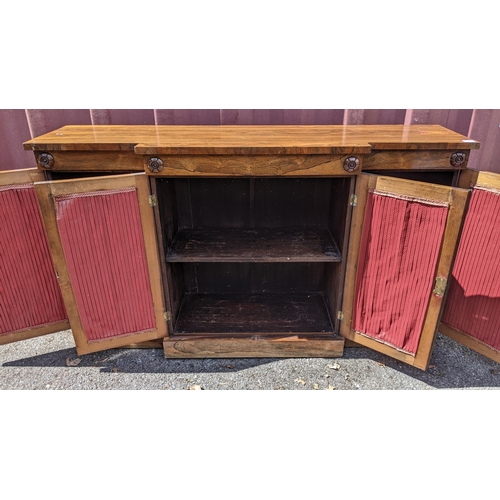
401	248
30	300
471	314
102	238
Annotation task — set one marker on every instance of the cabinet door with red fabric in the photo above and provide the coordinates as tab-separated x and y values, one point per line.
102	237
471	314
402	243
30	299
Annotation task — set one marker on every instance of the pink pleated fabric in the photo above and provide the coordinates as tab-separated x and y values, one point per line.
473	300
398	257
103	243
29	292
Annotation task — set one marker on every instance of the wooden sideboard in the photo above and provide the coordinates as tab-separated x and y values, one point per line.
246	241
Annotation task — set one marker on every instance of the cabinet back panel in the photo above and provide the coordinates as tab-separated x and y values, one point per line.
339	208
248	277
253	202
182	200
166	192
291	202
219	202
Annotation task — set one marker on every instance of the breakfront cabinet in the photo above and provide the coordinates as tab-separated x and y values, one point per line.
252	241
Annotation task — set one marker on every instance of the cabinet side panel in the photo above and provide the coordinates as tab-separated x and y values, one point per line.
473	301
103	244
29	292
398	257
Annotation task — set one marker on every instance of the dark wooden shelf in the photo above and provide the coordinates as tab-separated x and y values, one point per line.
254	245
264	313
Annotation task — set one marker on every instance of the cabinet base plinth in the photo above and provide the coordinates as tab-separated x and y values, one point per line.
158	344
295	346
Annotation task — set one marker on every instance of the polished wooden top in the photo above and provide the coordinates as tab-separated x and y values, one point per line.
255	139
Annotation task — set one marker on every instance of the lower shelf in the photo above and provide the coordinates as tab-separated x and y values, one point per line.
253	314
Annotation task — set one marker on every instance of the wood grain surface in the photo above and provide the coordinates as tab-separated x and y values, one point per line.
254	245
263	139
250	314
95	161
23	176
313	165
296	346
412	160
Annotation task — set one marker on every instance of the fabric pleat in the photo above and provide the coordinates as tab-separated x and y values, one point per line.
399	251
473	300
103	244
30	296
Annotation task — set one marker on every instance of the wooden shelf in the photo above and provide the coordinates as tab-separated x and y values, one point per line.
264	313
254	245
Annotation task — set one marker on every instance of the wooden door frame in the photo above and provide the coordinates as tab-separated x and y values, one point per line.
11	178
23	176
467	180
456	200
47	192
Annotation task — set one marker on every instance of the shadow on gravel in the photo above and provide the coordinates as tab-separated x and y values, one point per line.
137	361
452	366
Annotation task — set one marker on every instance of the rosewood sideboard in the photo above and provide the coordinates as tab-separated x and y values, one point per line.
252	241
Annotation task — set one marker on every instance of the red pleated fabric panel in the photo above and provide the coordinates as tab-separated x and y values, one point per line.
399	251
29	292
473	300
103	243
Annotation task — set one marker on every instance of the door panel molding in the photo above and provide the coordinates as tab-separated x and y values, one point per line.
48	193
456	200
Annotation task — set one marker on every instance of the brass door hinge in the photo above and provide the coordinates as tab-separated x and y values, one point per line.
167	316
152	200
440	286
340	315
354	200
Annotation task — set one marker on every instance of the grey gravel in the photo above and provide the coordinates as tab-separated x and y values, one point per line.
41	363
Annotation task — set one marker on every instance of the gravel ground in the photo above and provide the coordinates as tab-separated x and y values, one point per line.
42	363
293	445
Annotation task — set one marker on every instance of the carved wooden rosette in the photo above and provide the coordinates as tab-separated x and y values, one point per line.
45	160
155	165
458	159
351	164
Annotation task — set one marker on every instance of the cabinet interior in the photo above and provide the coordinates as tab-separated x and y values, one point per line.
253	255
64	175
444	178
